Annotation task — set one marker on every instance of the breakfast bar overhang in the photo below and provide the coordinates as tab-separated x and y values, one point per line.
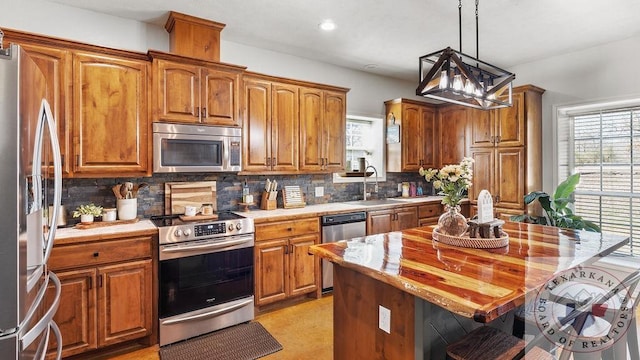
435	291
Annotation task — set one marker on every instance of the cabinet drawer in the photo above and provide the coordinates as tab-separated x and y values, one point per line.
100	252
284	229
429	210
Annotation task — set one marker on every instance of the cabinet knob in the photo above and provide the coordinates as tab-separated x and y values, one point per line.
96	254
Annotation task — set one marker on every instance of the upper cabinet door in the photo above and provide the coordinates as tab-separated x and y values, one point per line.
178	92
311	120
411	137
453	135
110	116
55	64
482	128
510	126
219	97
257	125
335	125
284	127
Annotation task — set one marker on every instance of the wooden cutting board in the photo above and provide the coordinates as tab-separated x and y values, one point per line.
177	195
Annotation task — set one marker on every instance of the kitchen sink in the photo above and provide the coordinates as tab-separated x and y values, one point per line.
375	202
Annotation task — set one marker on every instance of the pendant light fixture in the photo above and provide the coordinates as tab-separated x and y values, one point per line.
452	76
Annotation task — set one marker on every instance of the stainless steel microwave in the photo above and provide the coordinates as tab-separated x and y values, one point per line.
196	148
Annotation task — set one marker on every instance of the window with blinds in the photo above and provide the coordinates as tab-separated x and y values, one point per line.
604	147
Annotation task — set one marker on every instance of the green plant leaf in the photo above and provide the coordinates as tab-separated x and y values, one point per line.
591	226
519	218
567	187
532	196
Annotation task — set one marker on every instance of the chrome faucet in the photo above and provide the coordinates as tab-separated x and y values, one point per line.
364	176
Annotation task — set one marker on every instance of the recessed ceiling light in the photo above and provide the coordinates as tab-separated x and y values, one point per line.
327	25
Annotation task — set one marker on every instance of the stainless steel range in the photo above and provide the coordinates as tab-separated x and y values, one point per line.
206	274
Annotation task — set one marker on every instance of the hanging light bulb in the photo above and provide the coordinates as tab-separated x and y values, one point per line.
469	88
457	82
444	80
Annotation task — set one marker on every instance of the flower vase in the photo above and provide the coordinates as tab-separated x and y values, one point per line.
452	222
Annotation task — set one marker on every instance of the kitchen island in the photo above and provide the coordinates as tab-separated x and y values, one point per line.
435	293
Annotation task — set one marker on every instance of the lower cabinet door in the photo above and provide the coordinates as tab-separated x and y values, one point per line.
379	222
406	218
271	260
124	302
76	315
303	266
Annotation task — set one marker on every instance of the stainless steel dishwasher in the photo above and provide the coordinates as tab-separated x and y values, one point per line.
336	228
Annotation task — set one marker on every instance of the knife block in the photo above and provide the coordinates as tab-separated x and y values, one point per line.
266	204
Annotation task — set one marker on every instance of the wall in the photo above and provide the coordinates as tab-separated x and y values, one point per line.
598	73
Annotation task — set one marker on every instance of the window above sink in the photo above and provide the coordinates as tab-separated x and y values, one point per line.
364	138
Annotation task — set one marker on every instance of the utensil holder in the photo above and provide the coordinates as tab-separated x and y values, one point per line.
127	208
266	204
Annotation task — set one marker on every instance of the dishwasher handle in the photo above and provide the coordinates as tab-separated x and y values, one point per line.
332	220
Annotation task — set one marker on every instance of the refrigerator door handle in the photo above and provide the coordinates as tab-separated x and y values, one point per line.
45	111
43	324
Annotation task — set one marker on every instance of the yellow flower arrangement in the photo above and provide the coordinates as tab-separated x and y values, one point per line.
451	180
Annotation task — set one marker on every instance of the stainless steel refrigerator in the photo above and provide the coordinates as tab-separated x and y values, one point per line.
30	182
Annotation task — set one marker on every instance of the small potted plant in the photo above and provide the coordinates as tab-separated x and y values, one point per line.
87	212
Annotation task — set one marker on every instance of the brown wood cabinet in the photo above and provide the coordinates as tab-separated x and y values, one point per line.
187	90
283	266
384	221
503	127
428	214
99	98
507	147
452	135
323	122
271	126
55	64
107	293
418	140
110	116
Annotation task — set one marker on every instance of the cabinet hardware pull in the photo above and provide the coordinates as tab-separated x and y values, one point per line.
77	160
100	280
289	229
291	249
286	249
492	139
197	112
499	138
497	198
204	113
268	160
273	161
96	254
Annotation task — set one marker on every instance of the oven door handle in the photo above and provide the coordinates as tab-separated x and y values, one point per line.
209	314
217	245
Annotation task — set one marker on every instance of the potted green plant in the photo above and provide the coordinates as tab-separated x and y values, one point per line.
87	212
556	210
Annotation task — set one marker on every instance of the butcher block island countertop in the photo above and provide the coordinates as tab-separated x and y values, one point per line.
425	282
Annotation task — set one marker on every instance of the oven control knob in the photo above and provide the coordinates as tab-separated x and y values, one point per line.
239	226
178	233
231	227
187	232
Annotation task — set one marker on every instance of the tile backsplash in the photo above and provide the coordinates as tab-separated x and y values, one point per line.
229	189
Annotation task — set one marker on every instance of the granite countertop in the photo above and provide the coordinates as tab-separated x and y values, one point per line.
145	226
142	227
332	208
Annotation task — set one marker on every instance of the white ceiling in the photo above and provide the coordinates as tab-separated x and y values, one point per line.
392	34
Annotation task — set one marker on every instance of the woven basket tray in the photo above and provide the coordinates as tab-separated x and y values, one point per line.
466	241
